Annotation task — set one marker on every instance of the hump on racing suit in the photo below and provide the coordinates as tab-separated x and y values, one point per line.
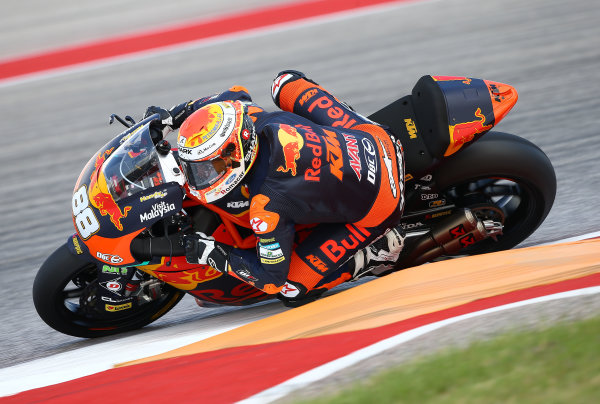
324	164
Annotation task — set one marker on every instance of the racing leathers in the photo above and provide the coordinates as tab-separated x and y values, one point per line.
319	163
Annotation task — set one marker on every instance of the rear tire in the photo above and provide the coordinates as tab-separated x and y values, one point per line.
63	279
501	171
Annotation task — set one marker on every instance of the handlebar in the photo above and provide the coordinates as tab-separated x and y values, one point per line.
144	249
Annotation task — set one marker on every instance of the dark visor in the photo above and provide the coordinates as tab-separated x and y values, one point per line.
202	174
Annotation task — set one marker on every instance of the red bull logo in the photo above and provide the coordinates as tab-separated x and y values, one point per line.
106	205
102	201
292	142
465	132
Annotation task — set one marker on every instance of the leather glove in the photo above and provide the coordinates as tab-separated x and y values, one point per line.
165	116
204	250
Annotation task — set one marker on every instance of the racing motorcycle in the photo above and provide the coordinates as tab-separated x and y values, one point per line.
124	267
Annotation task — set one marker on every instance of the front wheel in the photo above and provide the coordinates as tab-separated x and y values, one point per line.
63	295
502	178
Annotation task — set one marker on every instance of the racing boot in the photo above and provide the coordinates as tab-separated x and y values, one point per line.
288	77
379	257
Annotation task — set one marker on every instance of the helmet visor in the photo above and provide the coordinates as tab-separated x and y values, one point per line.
202	174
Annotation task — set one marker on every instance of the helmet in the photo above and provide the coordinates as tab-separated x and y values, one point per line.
217	147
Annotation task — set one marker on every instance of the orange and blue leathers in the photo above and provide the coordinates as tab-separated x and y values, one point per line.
319	163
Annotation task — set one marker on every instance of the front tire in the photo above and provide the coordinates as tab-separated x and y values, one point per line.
61	282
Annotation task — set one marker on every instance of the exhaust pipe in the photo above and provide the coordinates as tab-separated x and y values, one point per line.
447	238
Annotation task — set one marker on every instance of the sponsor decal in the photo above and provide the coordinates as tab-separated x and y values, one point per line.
289	290
437	204
336	249
266	240
467	240
409	226
427	177
77	246
214	194
252	150
353	154
158	210
439	214
388	165
104	202
308	95
292	142
118	307
245	273
427	197
113	286
107	206
411	128
370	159
238	204
272	260
333	154
317	263
155	195
270	251
313	142
465	132
457	231
343	119
278	83
110	258
107	269
259	225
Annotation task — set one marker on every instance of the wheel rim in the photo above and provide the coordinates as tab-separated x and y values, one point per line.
76	302
510	201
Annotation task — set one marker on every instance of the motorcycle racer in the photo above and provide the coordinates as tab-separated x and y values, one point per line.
315	161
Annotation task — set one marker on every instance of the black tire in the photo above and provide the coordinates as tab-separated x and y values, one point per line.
54	292
501	162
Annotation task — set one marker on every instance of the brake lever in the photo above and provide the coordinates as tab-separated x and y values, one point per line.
127	122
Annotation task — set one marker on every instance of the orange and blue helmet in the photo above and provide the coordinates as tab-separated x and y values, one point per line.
217	147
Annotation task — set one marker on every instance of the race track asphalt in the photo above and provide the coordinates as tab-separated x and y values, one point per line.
549	50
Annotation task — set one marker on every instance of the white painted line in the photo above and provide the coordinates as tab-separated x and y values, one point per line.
327	369
571	239
99	357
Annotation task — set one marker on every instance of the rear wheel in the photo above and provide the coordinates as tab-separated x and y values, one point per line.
503	178
64	297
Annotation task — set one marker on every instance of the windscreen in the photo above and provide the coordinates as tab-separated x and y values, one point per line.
133	167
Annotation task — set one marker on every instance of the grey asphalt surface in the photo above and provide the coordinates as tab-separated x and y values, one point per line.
548	49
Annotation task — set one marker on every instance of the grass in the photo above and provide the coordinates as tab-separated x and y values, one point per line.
554	365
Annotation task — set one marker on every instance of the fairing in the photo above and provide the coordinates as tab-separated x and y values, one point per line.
124	189
474	106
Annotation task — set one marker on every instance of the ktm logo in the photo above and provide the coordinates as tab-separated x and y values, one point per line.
317	263
411	128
